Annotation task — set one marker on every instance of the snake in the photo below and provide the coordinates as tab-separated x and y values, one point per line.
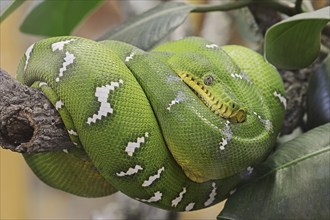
177	127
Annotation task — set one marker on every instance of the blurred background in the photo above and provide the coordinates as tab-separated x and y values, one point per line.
23	196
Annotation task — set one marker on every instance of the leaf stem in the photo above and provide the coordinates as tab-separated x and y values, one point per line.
223	7
277	5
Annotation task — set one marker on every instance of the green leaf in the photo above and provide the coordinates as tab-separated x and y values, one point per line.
293	183
148	28
54	18
318	95
8	7
247	26
295	42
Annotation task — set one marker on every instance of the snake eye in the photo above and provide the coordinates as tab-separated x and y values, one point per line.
208	80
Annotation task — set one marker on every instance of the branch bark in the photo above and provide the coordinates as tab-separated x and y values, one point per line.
28	121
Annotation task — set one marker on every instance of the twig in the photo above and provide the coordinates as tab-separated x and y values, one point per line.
277	5
223	7
28	121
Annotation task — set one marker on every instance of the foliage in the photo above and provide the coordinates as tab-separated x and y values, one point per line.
285	185
59	21
294	181
283	40
147	29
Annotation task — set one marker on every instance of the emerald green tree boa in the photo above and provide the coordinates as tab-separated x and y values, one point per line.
176	127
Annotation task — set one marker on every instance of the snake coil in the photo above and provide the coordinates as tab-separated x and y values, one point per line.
175	127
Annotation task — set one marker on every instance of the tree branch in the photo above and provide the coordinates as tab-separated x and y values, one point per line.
28	121
274	4
223	7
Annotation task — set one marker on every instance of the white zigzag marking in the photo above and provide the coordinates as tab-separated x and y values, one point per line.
190	206
178	199
232	191
27	54
153	178
42	84
130	57
72	132
281	98
211	46
130	171
156	197
228	135
212	195
60	45
242	75
223	143
102	94
68	59
131	146
179	98
249	170
268	124
59	104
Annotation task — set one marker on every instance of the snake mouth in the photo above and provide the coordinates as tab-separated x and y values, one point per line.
230	111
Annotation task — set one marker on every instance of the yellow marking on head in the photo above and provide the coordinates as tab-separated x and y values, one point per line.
233	113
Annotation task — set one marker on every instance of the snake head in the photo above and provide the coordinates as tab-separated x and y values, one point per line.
203	77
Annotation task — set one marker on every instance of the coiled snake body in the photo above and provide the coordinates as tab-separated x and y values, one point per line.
174	127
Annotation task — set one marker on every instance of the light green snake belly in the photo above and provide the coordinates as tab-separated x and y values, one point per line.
175	127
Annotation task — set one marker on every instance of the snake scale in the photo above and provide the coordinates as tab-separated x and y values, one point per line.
175	127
